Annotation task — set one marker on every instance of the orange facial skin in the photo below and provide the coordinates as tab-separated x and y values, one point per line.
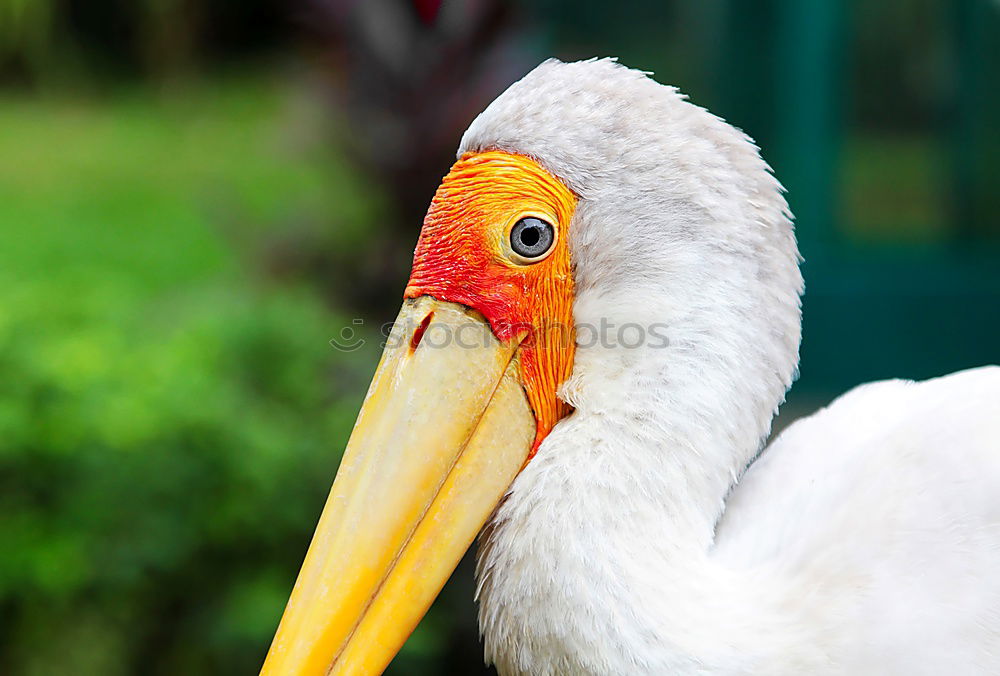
463	256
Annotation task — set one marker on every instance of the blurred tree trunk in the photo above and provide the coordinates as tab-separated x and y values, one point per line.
26	28
169	37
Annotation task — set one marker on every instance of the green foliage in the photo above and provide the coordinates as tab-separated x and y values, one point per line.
170	418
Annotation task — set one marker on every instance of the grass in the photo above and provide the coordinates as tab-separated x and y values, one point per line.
134	181
171	414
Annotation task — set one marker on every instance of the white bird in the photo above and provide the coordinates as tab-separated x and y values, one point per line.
632	524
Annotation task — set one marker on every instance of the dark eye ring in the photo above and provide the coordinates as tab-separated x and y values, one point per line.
531	239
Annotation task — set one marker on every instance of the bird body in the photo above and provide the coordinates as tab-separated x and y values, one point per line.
864	539
632	523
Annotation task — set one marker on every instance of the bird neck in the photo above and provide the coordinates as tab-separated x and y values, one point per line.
685	401
600	558
599	561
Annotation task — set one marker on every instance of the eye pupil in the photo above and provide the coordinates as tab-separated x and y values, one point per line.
531	238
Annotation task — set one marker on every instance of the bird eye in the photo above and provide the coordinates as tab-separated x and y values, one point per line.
531	238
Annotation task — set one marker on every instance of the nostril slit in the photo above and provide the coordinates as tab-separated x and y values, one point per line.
418	335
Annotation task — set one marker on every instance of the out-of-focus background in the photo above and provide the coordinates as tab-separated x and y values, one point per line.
197	195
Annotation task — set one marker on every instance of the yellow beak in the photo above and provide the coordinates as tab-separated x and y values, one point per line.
444	429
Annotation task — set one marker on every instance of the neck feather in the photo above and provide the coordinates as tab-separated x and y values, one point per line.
599	560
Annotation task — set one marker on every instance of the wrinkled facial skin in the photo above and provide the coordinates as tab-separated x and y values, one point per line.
464	256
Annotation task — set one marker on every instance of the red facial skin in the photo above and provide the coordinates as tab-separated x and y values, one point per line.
463	256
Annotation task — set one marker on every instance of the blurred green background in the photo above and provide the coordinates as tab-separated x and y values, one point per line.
196	196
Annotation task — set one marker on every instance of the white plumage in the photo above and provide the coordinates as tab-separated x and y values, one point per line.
864	540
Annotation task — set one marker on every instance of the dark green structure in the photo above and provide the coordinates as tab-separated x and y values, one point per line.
906	301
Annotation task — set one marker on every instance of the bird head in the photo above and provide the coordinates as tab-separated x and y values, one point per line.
585	191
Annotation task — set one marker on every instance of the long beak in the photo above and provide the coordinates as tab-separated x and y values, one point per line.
443	431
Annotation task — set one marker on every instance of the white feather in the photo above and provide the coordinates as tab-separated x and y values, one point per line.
865	539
